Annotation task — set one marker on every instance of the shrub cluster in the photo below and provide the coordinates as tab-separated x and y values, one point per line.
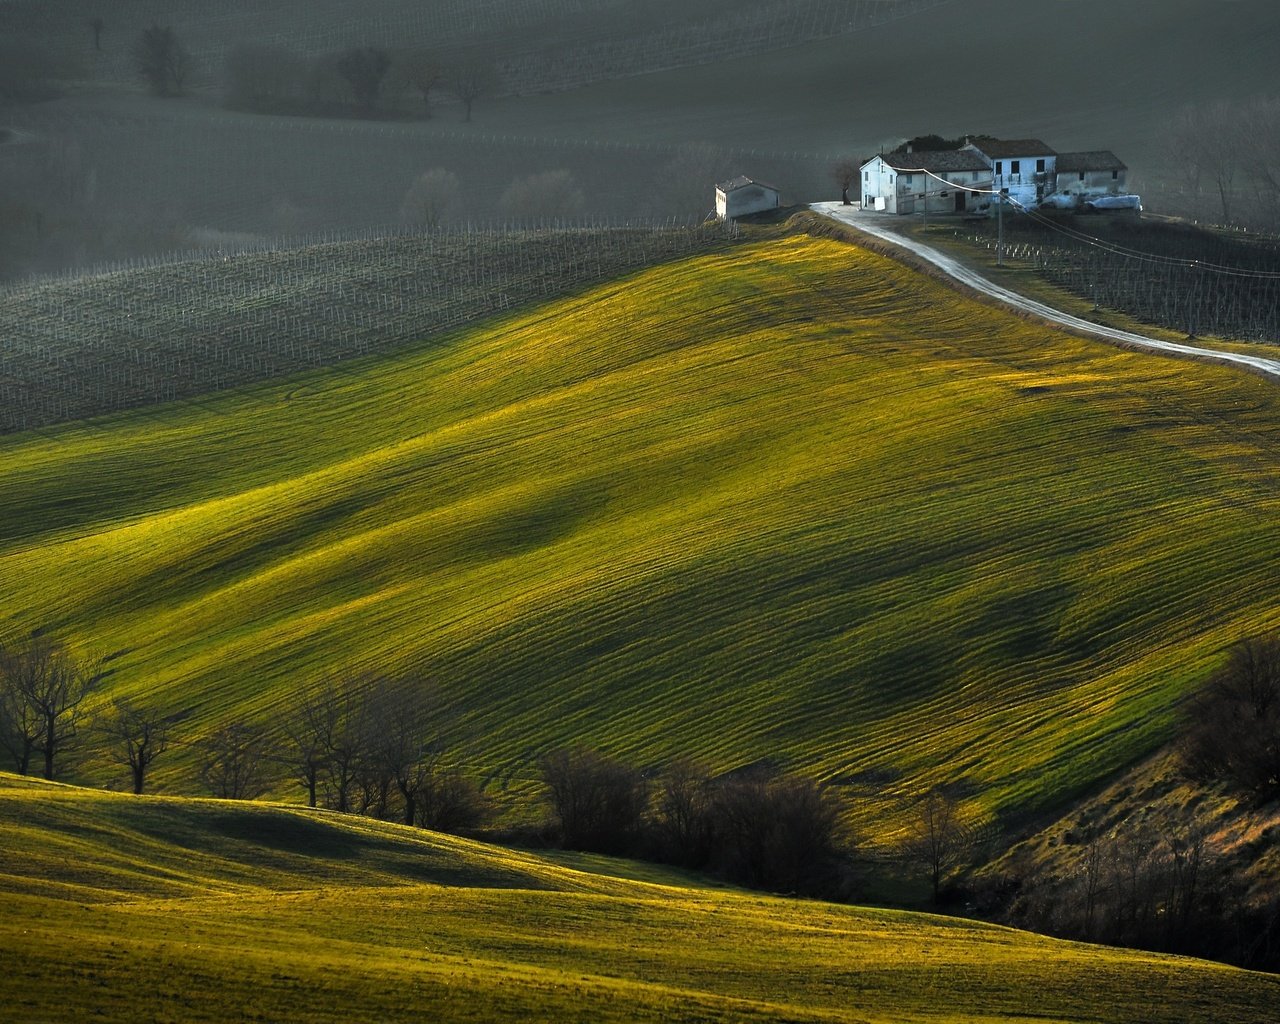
758	828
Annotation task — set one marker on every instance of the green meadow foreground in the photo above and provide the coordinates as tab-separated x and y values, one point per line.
119	908
792	502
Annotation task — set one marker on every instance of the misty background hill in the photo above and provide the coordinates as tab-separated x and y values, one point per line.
633	110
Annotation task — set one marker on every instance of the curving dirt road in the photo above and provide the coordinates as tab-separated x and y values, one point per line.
875	225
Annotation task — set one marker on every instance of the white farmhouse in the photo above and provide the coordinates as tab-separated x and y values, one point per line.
1023	169
1085	176
907	182
741	196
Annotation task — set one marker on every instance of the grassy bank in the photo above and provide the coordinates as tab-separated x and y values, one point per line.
211	911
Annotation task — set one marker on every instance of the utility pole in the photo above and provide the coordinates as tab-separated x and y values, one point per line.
1000	230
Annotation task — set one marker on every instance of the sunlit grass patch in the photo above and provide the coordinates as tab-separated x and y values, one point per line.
788	502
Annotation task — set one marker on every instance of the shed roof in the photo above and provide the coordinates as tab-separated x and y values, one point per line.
936	160
1093	160
741	181
997	148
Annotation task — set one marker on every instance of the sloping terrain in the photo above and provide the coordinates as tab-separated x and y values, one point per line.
115	908
792	502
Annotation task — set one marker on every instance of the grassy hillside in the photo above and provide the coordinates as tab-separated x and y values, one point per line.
122	909
789	502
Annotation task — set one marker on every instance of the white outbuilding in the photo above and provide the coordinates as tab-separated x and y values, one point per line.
741	196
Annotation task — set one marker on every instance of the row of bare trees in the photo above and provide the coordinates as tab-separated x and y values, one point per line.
358	744
368	80
1159	887
1228	159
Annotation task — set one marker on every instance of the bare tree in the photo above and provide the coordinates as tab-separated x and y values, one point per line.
939	840
597	801
544	198
472	81
161	60
309	735
235	762
779	832
419	71
682	814
433	199
364	68
330	742
44	688
1232	728
845	172
449	801
19	724
139	735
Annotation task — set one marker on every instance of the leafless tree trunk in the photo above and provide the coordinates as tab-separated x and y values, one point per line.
473	81
19	724
845	172
939	840
235	762
139	735
44	690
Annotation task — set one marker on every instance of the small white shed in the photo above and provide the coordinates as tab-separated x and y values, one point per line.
741	196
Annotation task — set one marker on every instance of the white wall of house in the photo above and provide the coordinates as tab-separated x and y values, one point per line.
886	189
1092	183
879	186
748	199
924	193
1027	178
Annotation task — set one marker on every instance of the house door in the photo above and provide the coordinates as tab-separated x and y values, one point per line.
959	202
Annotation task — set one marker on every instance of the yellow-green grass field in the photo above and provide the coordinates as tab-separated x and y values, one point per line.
790	502
118	908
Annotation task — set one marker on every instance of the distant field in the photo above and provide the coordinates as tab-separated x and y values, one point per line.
108	172
789	502
125	909
535	45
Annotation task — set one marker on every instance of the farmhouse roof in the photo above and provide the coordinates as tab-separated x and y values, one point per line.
1094	160
997	148
741	181
936	161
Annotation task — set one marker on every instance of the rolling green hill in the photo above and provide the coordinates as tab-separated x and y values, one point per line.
790	502
122	909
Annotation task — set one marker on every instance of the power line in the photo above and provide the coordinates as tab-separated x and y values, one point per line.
1098	243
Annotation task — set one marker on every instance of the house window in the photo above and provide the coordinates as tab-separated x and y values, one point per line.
1015	166
1040	167
999	167
1115	175
973	175
906	179
1082	175
866	176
